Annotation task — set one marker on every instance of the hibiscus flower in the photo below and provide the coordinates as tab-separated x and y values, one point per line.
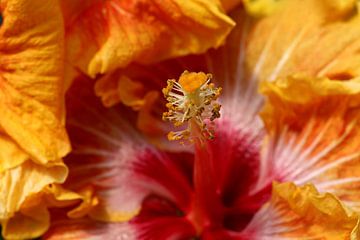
284	166
281	167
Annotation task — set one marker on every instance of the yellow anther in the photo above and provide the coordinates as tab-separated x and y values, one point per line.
191	81
192	100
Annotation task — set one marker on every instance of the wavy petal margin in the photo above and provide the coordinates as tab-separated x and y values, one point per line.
33	138
20	199
314	129
303	213
105	35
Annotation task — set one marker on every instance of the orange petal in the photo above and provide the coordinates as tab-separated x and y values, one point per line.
282	43
103	36
303	213
116	87
314	130
31	86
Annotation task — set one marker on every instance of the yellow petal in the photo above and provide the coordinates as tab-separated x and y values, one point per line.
314	131
266	7
140	31
32	125
11	155
304	213
89	202
27	224
31	86
260	7
33	219
18	187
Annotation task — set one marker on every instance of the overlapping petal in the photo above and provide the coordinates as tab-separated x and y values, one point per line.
20	199
303	213
124	171
33	136
308	140
33	218
105	35
313	126
105	149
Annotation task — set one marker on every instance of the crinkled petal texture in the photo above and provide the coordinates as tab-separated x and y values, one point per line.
314	129
105	35
303	213
31	99
29	190
32	132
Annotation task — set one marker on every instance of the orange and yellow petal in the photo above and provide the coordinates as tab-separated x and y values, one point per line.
105	35
282	43
314	129
303	213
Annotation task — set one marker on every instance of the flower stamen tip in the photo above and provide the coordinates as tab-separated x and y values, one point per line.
192	101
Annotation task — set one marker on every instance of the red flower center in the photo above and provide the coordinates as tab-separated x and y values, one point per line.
207	196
